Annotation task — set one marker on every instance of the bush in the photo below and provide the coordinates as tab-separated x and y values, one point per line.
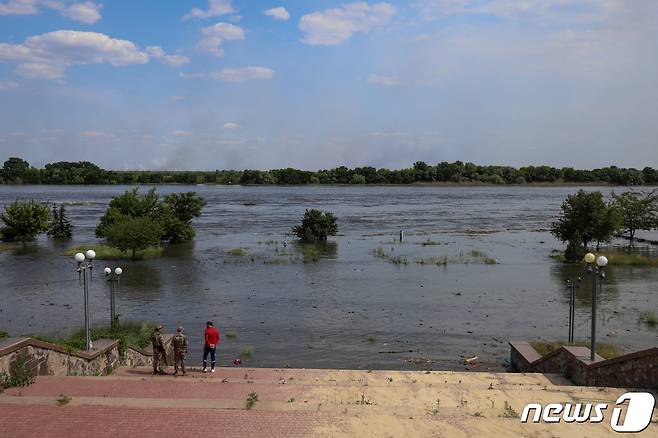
316	225
24	220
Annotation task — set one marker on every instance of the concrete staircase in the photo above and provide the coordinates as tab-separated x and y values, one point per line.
292	402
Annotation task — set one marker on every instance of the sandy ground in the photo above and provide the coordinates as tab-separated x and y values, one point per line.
314	403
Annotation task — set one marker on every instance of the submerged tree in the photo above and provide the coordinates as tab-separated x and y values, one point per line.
60	225
316	225
171	217
585	218
134	234
23	221
639	211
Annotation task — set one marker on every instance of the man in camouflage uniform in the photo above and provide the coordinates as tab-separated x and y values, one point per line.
180	350
158	350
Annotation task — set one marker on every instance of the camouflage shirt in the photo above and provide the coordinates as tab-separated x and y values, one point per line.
180	343
157	341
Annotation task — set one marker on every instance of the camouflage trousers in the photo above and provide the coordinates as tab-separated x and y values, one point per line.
158	359
179	360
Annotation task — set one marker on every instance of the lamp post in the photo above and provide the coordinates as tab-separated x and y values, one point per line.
598	274
113	279
572	307
85	268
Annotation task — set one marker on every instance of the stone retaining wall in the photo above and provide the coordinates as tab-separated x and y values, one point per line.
634	370
45	359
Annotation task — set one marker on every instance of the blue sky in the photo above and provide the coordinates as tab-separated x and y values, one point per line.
208	84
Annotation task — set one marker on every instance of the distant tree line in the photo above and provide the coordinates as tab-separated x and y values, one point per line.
18	171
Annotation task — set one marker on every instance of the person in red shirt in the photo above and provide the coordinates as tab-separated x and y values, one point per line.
211	338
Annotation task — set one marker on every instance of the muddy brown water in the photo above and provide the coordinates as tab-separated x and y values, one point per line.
340	304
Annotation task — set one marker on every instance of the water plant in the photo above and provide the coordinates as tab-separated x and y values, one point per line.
231	334
247	352
237	252
650	318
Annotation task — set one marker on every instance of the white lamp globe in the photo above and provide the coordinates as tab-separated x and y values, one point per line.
118	271
107	271
90	254
79	257
602	261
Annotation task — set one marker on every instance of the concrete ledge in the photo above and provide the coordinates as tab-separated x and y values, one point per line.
10	345
634	370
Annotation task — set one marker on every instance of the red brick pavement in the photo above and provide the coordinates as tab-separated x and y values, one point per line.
117	422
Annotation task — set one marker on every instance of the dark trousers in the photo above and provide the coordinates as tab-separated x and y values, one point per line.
207	350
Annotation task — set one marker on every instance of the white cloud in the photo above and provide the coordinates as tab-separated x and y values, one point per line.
19	7
47	56
279	13
8	85
215	35
234	74
181	133
87	12
545	11
334	26
388	81
231	125
158	53
84	12
176	98
216	8
97	134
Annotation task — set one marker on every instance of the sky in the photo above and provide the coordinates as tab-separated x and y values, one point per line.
237	84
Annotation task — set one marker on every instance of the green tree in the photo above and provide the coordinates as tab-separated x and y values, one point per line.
316	225
23	221
60	226
134	234
639	211
15	169
131	204
585	218
177	212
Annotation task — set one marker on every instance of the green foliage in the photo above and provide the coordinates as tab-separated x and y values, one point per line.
316	225
252	398
247	352
3	334
604	349
650	318
639	211
237	252
18	171
106	252
585	218
231	334
60	226
128	333
19	375
15	170
135	222
23	221
134	234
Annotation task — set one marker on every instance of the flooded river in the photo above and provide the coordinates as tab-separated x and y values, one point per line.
363	300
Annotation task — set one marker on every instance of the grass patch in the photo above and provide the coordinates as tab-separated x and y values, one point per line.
650	318
3	334
509	411
616	258
106	252
252	398
63	400
135	334
231	334
603	349
247	352
237	252
475	257
372	338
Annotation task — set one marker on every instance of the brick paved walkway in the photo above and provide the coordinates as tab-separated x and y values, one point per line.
291	403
